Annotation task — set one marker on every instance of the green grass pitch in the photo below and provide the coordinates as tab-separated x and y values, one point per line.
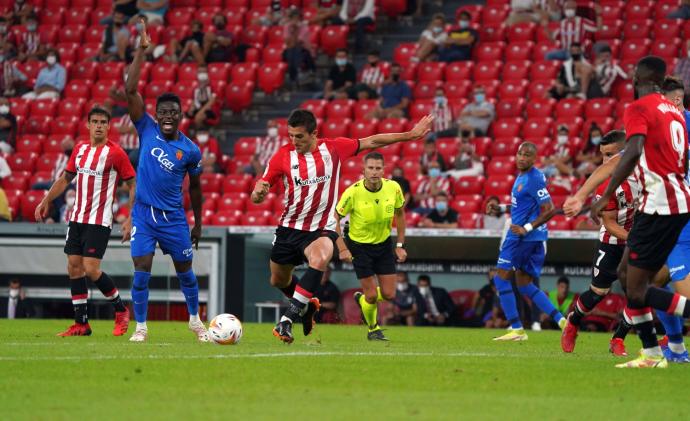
422	374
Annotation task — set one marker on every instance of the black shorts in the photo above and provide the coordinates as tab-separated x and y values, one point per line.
652	238
87	240
372	259
605	264
289	244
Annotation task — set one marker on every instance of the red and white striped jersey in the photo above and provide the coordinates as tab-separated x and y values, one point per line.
624	200
663	164
311	182
574	30
443	117
425	187
373	75
97	169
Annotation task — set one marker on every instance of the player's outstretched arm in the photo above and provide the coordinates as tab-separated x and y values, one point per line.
127	225
135	103
195	196
573	205
379	140
56	190
400	227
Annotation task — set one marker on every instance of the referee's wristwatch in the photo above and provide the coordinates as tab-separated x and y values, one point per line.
400	245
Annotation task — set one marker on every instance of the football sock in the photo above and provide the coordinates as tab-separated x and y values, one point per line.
541	300
643	321
379	296
667	301
369	311
190	289
80	295
673	325
585	303
623	328
107	287
304	291
289	290
140	295
508	302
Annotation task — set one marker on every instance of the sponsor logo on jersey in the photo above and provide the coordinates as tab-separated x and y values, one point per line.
543	193
89	171
300	182
187	252
519	187
676	269
162	158
668	108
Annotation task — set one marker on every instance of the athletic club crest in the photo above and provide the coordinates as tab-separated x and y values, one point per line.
519	187
178	154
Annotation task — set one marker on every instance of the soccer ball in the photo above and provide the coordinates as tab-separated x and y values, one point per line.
225	329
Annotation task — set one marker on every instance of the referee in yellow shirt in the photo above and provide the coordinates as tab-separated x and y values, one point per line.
372	203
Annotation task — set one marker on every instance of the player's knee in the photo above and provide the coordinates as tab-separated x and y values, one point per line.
600	291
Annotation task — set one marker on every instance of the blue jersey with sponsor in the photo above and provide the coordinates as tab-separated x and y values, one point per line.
529	193
163	165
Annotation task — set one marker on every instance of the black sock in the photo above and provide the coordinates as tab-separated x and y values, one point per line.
79	296
667	301
622	329
643	320
107	287
586	303
310	280
289	290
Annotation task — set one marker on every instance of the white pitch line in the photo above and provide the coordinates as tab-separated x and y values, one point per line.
249	356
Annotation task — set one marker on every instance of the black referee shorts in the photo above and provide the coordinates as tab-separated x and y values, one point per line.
87	240
652	238
289	244
372	259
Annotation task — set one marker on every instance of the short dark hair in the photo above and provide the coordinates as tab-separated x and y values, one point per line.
54	52
528	145
341	50
98	111
651	69
672	83
168	97
424	277
441	193
466	14
373	155
302	118
376	53
604	48
614	136
440	16
563	280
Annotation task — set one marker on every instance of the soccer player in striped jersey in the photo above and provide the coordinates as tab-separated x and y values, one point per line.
98	165
309	168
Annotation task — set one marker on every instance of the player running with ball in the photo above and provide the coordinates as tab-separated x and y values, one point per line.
310	170
166	156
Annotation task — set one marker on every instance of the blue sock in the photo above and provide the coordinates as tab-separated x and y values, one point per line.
190	289
508	303
539	298
673	325
140	295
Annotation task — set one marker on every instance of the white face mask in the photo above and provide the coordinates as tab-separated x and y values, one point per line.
203	77
562	139
116	207
424	290
401	286
4	109
272	132
51	60
14	292
70	201
202	137
569	13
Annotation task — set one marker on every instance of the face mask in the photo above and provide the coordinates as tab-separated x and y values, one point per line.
3	29
68	152
2	58
31	27
569	13
203	77
70	201
373	63
465	134
424	290
219	25
464	24
437	29
51	60
441	206
596	140
576	56
14	292
434	172
401	286
272	132
479	97
116	207
562	139
202	137
139	27
440	100
395	78
341	61
4	109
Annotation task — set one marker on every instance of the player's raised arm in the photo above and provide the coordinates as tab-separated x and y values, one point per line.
135	103
376	141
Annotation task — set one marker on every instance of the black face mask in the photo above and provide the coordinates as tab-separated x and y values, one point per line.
465	133
395	78
576	56
373	63
68	152
219	25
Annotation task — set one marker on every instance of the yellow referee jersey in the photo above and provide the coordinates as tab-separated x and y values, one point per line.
371	212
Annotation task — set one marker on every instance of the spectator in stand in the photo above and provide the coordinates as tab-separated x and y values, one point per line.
395	97
8	41
8	127
589	158
12	80
210	150
5	170
126	7
444	124
431	155
466	162
20	12
574	78
298	53
65	210
495	217
327	12
428	189
399	177
265	149
562	298
442	216
51	79
191	47
128	138
477	116
121	209
5	213
682	69
439	309
572	30
371	78
30	47
406	303
682	12
431	39
67	145
341	77
217	46
273	16
115	40
534	11
154	10
460	41
205	109
558	159
606	72
329	296
359	13
17	305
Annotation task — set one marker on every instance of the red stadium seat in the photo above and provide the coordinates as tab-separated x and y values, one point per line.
164	72
518	51
233	201
521	32
507	127
513	89
72	107
513	107
364	107
412	150
635	49
339	108
404	52
469	185
539	89
363	128
316	106
84	71
237	183
559	223
459	71
339	127
610	29
46	162
333	37
638	9
98	14
393	8
540	107
211	183
470	220
18	181
666	48
20	106
77	16
537	127
185	90
544	70
612	10
489	51
41	177
64	125
242	72
353	166
226	218
254	36
245	146
174	32
466	203
492	33
570	107
392	125
620	108
36	125
48	33
238	95
543	144
623	90
430	71
573	123
179	16
605	123
487	71
52	16
516	70
457	89
500	182
600	107
29	202
482	145
88	52
271	76
260	218
22	161
27	144
426	89
111	71
495	15
612	303
78	89
272	54
67	51
505	146
43	108
72	33
447	147
219	71
420	108
155	88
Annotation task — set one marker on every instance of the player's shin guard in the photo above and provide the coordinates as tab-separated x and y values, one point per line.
624	326
80	294
541	300
585	303
140	295
190	289
369	311
106	285
643	321
289	290
667	301
508	302
304	291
